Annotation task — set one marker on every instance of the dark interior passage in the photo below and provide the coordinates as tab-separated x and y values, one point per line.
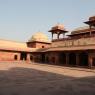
83	58
62	58
42	58
15	57
93	61
23	56
72	59
31	57
47	59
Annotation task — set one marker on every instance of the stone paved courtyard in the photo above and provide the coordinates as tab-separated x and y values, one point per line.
40	79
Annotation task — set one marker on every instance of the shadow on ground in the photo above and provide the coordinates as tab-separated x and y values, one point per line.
25	81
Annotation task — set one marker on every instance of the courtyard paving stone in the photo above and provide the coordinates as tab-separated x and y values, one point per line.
43	79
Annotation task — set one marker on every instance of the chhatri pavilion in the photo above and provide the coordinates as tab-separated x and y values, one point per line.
75	49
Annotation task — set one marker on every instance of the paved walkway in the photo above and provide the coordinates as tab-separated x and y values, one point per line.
40	79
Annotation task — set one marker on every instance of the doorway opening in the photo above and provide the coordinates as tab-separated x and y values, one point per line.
53	60
15	57
23	56
47	59
42	58
31	57
72	59
62	58
83	58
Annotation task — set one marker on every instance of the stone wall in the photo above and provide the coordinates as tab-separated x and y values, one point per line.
9	56
14	56
38	45
42	45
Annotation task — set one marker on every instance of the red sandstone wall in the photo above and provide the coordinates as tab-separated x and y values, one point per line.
40	45
31	45
8	56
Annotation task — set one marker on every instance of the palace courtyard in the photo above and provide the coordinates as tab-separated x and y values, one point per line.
20	78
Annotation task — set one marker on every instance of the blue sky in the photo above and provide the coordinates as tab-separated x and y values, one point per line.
20	19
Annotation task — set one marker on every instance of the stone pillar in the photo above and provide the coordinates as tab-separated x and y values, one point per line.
18	57
77	59
52	36
58	36
67	58
90	65
63	35
28	57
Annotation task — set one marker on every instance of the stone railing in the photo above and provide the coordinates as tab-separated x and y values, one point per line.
74	42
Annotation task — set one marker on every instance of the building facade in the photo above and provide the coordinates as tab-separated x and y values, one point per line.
75	49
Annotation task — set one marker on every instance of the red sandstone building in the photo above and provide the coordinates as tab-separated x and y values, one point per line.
77	49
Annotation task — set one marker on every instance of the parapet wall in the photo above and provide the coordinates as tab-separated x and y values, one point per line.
74	42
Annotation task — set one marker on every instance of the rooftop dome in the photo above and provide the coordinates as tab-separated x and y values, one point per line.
39	37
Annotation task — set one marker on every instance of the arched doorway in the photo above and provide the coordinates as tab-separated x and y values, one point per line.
62	58
72	59
15	57
31	57
23	56
83	59
43	58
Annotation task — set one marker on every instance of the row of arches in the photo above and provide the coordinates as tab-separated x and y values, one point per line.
72	58
81	58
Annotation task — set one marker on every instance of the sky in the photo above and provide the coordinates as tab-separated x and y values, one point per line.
20	19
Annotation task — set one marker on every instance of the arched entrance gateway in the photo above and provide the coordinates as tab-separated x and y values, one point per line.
72	59
83	59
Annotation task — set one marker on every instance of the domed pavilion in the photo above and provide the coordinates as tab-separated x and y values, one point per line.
39	40
58	29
